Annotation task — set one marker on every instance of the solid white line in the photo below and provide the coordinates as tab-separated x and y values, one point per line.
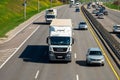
77	77
19	48
37	74
75	56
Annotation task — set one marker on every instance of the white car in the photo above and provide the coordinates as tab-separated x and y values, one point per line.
83	25
116	28
95	56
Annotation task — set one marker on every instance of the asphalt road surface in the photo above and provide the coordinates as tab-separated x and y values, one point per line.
30	62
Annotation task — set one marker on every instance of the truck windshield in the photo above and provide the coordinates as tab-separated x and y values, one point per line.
50	16
60	40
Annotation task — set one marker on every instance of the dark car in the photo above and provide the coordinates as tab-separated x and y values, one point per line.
77	9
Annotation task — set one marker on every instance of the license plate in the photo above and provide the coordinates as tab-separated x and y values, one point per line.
59	56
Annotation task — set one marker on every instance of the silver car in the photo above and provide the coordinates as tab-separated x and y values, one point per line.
95	56
83	25
116	28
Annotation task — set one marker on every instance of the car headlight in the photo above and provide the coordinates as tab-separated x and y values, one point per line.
102	59
68	55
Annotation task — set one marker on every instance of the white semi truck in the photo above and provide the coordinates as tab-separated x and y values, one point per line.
60	40
50	15
72	2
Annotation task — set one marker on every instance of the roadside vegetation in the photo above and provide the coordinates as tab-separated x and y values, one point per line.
11	12
113	5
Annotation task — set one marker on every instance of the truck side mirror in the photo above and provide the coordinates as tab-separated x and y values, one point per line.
72	40
47	40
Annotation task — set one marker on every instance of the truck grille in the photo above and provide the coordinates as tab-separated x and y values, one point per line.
60	49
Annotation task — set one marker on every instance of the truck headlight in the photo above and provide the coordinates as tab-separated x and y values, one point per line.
51	54
50	49
68	55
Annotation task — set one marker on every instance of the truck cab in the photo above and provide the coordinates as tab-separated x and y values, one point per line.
50	15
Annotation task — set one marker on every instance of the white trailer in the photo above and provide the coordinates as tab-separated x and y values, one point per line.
60	40
50	15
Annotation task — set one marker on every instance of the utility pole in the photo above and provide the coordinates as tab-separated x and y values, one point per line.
51	4
24	4
38	5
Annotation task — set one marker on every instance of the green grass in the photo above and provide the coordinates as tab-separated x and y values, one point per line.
112	6
11	12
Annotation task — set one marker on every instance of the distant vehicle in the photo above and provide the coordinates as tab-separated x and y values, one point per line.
50	15
89	6
93	4
83	25
95	11
95	56
116	28
101	16
77	9
72	2
105	12
98	13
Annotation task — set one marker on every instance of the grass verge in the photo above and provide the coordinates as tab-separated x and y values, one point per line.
12	12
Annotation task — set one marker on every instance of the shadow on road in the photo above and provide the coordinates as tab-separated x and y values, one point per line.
83	63
35	53
76	29
41	23
116	33
112	32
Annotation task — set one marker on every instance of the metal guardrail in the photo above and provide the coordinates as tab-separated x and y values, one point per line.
111	41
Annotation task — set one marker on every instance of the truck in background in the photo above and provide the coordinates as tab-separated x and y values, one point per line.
50	15
60	40
72	3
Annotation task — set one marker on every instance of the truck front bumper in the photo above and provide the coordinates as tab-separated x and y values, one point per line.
60	57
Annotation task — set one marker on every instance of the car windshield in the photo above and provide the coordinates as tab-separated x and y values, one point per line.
60	40
95	53
117	27
50	16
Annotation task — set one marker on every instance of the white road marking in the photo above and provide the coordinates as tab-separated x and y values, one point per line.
19	47
75	56
77	77
7	49
73	33
37	74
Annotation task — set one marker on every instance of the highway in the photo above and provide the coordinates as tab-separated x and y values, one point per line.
30	61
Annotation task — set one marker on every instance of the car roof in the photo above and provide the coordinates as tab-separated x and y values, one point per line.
94	49
116	25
